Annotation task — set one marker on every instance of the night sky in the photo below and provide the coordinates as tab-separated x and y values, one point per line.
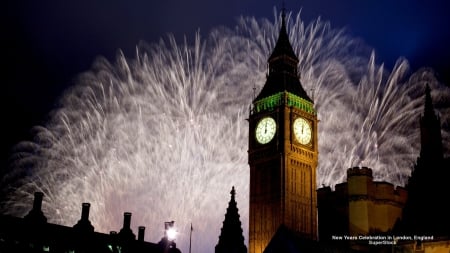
46	44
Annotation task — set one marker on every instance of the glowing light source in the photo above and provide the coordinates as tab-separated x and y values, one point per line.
171	232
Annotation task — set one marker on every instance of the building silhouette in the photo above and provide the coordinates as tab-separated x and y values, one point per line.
33	234
426	211
231	238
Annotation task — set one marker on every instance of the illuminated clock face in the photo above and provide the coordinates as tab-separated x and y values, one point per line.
265	130
302	130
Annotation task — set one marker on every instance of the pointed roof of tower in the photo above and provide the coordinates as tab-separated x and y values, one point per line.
429	108
231	238
429	176
430	124
283	74
283	46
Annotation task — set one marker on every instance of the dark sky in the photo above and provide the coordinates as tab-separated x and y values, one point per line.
47	43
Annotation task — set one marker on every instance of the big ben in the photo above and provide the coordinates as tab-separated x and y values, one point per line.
283	152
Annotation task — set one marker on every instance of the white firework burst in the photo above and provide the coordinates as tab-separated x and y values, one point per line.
163	134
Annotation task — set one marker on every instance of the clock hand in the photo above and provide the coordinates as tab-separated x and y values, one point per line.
265	128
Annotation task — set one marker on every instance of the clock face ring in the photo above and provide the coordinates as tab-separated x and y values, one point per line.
265	130
302	130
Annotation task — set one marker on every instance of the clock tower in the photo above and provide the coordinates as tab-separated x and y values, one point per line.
283	152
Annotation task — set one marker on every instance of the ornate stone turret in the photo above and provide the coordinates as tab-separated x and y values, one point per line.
367	199
231	239
430	132
425	211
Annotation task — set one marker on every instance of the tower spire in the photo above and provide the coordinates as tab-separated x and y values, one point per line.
283	14
283	74
424	211
429	109
430	134
231	238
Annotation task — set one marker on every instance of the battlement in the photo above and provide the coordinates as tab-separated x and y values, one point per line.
359	171
361	186
368	205
386	191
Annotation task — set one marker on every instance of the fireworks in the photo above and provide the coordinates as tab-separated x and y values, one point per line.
163	134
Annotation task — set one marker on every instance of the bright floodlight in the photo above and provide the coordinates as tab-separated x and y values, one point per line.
171	234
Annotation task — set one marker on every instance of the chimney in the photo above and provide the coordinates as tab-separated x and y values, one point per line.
141	233
126	220
85	211
84	224
37	204
36	215
126	233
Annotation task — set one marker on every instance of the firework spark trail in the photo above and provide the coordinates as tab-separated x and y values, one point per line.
164	136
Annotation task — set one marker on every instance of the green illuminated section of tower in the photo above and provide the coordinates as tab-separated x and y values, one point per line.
283	98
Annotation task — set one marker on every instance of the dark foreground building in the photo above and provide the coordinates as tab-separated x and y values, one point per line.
33	234
231	238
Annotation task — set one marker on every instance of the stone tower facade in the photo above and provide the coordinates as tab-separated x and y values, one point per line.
373	207
359	206
283	152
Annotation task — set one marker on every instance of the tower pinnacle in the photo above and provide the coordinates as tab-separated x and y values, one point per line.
430	131
231	238
429	109
425	212
283	75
